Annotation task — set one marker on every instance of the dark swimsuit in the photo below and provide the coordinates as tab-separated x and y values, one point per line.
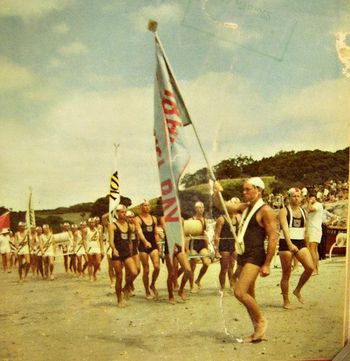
149	233
177	249
226	243
121	243
135	242
254	238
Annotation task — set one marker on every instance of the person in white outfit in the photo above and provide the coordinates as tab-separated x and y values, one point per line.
314	227
23	253
5	249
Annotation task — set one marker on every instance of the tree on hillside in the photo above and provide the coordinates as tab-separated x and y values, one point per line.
199	177
227	169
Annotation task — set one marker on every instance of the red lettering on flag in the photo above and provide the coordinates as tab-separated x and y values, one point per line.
167	188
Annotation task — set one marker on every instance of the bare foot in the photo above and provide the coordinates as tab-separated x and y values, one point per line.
260	330
198	285
195	288
298	296
149	297
154	291
172	301
248	339
126	294
288	306
182	295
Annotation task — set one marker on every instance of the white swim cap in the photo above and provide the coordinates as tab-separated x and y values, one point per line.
256	182
198	204
130	214
121	207
292	191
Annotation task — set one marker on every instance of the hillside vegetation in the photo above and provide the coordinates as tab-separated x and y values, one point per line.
283	170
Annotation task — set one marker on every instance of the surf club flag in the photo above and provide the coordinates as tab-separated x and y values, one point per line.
114	195
5	220
170	116
30	215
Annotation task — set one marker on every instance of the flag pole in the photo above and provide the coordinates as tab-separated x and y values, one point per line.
152	26
111	212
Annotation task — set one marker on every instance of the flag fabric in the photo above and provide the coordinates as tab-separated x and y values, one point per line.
5	221
114	195
170	116
30	215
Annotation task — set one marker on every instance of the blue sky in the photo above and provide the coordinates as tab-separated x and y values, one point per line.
77	76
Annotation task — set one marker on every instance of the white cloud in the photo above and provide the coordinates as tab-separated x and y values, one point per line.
73	48
14	76
62	28
31	9
163	14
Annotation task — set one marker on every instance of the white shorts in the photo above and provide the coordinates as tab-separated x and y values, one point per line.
94	248
315	235
5	248
49	252
81	251
24	250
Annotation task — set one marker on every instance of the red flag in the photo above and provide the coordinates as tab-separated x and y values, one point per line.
5	220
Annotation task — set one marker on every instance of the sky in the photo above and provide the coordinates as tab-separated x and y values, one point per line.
77	77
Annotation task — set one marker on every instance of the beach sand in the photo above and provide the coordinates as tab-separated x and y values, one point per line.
74	319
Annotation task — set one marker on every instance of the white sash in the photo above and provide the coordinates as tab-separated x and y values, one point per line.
296	233
243	224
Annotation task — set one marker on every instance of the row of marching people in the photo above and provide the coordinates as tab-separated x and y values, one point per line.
133	242
81	246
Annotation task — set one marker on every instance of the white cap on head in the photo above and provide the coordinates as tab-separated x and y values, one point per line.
46	226
21	224
130	214
121	207
256	182
199	204
292	191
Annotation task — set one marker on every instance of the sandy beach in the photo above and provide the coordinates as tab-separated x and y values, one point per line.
74	319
